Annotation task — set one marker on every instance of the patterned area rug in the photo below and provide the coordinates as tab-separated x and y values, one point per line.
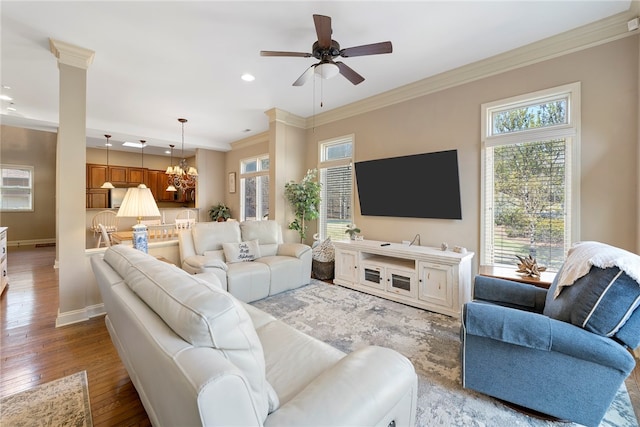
62	402
349	320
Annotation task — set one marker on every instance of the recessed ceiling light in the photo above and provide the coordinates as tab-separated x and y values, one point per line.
6	98
108	144
247	77
167	152
133	144
12	107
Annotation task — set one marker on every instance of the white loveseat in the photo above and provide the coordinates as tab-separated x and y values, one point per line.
221	247
198	356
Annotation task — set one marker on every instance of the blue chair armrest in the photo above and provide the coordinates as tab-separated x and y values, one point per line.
539	332
509	293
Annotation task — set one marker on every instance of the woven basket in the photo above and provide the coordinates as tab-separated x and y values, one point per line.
322	270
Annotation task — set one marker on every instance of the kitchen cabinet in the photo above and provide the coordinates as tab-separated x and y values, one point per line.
96	175
118	175
137	176
97	198
123	176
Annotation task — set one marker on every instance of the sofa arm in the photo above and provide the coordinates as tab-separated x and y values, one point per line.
379	383
296	250
201	262
185	245
509	293
539	332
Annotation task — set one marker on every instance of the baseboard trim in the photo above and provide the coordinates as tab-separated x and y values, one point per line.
32	242
77	316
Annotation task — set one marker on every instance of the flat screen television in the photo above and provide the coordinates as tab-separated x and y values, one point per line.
417	186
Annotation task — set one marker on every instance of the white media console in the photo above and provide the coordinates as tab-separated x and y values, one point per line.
419	276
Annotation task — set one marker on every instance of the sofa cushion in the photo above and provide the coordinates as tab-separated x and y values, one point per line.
268	233
209	236
241	252
197	311
600	301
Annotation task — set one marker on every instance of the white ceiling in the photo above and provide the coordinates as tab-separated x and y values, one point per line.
156	61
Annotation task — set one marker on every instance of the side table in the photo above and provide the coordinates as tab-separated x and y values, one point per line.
545	280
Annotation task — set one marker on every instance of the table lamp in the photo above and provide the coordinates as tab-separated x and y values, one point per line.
138	202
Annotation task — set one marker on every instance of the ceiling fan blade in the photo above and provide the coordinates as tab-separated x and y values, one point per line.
305	76
277	53
348	72
323	30
367	49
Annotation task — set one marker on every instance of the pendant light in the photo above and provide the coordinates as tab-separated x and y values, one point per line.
107	183
169	172
143	144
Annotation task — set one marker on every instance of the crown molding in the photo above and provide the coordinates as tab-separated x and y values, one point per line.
600	32
69	54
22	122
252	140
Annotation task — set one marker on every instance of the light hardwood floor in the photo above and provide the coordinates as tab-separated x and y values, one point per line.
33	351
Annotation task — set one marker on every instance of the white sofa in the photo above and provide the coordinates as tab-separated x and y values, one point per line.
198	356
277	266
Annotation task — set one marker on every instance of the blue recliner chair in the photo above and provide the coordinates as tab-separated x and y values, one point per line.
564	356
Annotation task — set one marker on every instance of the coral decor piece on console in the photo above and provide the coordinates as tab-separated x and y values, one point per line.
529	266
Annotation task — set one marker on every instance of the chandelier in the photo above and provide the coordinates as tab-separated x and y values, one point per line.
181	176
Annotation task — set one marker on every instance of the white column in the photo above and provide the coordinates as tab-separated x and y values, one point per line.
287	160
73	63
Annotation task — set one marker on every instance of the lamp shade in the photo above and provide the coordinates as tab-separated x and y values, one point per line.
138	202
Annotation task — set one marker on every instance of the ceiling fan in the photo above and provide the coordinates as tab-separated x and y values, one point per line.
326	50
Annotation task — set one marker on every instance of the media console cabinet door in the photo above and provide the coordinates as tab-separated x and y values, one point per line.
346	265
436	284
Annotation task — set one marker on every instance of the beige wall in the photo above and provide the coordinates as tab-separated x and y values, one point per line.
451	119
211	188
38	149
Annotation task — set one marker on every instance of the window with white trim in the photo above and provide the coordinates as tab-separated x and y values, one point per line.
530	177
16	188
336	177
254	188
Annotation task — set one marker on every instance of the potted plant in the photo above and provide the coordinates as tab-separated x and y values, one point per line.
220	212
352	230
304	197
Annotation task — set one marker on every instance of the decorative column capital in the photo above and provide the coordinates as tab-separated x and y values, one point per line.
69	54
278	115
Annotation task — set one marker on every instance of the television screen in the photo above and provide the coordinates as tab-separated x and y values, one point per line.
417	186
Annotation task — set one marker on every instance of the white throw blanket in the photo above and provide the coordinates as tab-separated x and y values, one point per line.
582	256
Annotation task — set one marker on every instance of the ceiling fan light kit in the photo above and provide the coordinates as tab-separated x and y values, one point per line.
327	70
327	50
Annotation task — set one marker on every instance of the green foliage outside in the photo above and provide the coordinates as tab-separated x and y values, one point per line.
529	178
305	201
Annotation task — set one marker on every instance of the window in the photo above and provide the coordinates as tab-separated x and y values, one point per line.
16	188
336	177
254	188
530	177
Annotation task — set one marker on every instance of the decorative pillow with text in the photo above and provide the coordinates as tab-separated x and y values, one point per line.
241	252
